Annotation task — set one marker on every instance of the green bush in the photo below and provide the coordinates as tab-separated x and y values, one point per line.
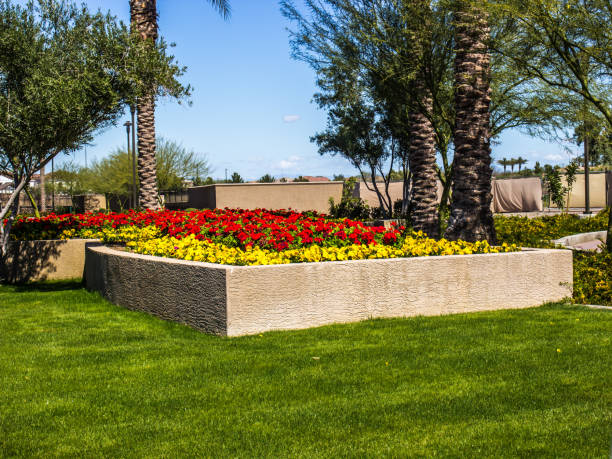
349	206
593	277
538	232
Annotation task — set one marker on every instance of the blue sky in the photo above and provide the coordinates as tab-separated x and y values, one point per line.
251	107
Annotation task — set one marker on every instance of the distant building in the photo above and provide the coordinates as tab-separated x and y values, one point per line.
318	178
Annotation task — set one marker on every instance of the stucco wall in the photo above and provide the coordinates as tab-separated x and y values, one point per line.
46	260
597	189
177	290
297	196
235	300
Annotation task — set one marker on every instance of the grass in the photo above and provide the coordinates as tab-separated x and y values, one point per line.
81	377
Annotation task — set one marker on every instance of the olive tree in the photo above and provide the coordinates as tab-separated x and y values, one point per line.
66	73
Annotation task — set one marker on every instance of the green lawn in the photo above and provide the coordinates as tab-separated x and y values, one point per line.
81	377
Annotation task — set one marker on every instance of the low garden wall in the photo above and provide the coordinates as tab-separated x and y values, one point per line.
46	260
239	300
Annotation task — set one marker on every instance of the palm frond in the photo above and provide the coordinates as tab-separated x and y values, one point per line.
223	7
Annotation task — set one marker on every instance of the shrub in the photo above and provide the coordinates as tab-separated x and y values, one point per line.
349	206
539	232
593	277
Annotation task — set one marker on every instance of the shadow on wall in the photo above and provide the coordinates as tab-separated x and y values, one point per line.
31	261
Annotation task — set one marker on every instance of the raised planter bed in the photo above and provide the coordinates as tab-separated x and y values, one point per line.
30	261
236	300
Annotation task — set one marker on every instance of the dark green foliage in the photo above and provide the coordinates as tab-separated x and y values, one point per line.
554	187
349	206
266	179
81	377
236	178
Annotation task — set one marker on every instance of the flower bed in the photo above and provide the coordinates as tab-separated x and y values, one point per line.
237	237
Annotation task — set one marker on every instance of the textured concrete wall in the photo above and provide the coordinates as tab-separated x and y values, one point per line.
297	196
181	291
234	300
306	295
46	260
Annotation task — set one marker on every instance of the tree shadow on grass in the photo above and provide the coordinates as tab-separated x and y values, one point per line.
49	286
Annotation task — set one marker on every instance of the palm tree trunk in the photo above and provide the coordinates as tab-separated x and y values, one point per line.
609	234
143	16
471	218
43	191
147	165
422	160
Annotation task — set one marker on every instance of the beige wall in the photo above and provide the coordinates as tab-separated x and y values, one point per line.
297	196
509	195
236	300
47	260
597	187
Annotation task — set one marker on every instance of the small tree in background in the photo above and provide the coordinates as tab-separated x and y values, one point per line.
175	164
266	179
520	161
236	178
570	179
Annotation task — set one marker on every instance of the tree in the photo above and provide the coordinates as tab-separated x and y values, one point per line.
503	162
143	19
176	164
566	46
65	73
350	46
471	217
110	175
266	179
520	161
396	58
236	178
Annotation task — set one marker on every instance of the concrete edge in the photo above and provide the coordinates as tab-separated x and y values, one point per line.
573	239
110	250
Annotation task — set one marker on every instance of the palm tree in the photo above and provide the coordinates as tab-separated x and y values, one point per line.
503	162
143	19
520	161
422	164
471	217
512	164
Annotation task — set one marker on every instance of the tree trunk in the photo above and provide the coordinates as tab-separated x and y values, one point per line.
471	218
147	176
609	235
422	160
143	16
28	193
